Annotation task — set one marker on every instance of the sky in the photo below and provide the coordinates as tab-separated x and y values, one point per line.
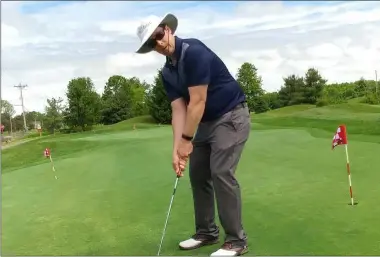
46	44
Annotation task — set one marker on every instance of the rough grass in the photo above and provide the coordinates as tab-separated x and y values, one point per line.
114	187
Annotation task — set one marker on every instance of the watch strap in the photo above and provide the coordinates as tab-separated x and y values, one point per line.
188	138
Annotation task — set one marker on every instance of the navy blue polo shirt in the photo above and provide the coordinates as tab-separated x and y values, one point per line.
203	66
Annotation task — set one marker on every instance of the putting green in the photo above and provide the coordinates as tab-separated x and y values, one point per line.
113	192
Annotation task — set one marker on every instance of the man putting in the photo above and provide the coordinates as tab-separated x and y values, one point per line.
205	99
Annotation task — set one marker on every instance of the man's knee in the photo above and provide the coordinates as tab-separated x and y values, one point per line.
224	164
224	179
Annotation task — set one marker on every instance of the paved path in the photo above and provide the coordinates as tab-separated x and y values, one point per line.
15	143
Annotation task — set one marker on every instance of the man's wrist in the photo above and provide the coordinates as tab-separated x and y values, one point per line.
187	137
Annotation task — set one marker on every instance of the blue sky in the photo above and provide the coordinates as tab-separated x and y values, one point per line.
40	6
311	3
43	6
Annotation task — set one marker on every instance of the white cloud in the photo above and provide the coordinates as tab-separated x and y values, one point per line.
122	62
265	59
325	50
10	35
47	49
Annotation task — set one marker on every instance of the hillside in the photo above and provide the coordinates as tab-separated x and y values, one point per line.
360	119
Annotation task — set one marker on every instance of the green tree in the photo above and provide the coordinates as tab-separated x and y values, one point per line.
7	107
113	109
332	94
53	114
7	112
314	84
32	117
292	92
360	87
158	103
251	84
273	100
83	104
372	93
18	123
261	105
139	91
123	99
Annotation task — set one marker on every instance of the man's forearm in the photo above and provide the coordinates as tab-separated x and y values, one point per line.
193	117
178	124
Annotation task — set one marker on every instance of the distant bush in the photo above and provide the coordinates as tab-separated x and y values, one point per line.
371	98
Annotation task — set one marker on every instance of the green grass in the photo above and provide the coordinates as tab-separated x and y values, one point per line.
362	121
114	186
141	122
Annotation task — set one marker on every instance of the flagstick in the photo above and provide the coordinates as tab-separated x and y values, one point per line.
52	164
349	175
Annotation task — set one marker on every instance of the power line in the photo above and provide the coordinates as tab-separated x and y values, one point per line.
21	87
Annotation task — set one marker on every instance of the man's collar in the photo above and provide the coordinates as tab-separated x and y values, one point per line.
178	47
177	50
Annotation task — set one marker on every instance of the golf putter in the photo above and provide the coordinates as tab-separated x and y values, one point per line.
167	216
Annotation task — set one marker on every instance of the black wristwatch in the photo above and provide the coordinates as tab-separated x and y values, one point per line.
188	138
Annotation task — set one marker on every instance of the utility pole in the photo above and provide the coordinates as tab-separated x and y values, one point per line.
21	87
376	85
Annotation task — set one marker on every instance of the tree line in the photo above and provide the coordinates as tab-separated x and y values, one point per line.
124	98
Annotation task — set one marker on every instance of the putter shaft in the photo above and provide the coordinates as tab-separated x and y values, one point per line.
168	214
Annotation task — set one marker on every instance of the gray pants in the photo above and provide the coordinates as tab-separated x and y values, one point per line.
217	147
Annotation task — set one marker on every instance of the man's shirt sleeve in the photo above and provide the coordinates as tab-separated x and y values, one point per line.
170	92
197	66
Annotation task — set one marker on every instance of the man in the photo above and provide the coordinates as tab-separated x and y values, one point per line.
205	99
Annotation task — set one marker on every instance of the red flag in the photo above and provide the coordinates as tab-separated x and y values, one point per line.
340	137
47	152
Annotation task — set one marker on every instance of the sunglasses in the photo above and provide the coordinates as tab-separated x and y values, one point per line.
158	34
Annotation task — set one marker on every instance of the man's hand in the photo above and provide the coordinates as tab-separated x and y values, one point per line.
182	164
179	164
176	165
184	150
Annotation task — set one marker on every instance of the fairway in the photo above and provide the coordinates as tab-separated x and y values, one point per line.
113	192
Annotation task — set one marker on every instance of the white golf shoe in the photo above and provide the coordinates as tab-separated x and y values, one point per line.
228	250
196	242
